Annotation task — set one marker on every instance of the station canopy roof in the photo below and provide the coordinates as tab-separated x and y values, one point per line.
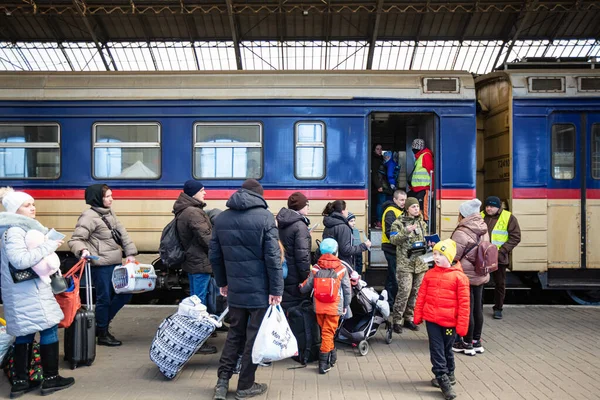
131	35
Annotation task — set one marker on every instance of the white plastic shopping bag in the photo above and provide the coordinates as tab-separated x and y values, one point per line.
275	340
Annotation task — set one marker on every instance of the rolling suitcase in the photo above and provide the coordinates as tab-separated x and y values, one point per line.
80	337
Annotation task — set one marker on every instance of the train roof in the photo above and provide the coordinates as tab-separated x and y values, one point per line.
456	85
548	80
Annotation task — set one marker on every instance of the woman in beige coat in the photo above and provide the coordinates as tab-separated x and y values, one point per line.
99	233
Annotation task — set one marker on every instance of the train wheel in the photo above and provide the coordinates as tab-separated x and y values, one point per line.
585	297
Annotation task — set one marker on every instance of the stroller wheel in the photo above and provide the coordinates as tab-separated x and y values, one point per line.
363	347
388	335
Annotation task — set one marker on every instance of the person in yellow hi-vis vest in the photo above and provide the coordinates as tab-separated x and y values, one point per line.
393	209
505	233
420	179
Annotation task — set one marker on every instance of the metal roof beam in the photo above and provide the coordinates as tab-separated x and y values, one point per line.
59	39
147	35
419	33
81	8
281	31
524	16
234	35
105	36
374	32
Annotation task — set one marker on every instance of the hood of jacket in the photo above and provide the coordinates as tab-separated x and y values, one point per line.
286	217
473	224
392	204
245	199
184	201
329	261
424	151
9	220
334	219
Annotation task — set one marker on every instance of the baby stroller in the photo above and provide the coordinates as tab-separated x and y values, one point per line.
369	310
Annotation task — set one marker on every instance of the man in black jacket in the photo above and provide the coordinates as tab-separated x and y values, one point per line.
295	237
246	260
195	230
393	209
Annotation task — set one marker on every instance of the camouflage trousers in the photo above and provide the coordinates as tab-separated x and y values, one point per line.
408	287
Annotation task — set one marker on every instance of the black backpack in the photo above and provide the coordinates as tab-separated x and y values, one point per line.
304	326
170	249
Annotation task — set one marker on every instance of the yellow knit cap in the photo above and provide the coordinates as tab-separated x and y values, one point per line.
447	248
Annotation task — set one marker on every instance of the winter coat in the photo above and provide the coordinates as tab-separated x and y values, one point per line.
29	306
93	235
444	299
469	232
329	261
336	227
514	235
296	240
195	230
244	251
377	178
403	241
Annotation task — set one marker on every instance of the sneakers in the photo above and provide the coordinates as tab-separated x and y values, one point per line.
451	378
460	346
324	365
221	389
207	349
477	346
256	390
497	314
397	328
410	325
446	386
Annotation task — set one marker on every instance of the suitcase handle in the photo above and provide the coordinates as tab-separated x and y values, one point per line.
88	285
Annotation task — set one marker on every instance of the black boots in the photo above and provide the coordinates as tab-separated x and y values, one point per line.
333	357
21	383
105	338
52	380
221	389
410	325
446	387
255	390
324	365
451	378
397	328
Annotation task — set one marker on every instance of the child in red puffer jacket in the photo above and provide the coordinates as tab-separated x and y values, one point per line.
443	302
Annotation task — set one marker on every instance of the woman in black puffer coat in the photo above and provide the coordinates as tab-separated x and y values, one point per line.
295	237
336	227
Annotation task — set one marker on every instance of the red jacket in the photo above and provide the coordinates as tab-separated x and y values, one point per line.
444	298
329	261
427	164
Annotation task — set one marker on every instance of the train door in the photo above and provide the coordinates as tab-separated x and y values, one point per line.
573	191
592	196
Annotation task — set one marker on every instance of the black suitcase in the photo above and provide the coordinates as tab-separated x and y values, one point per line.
80	337
303	323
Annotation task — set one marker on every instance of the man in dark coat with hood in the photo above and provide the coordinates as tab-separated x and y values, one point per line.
195	230
295	237
246	260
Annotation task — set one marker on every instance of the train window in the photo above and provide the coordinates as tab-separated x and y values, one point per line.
563	151
546	84
588	84
596	151
310	150
129	150
228	150
29	151
441	85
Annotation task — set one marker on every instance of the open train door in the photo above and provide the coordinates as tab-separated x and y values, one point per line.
574	204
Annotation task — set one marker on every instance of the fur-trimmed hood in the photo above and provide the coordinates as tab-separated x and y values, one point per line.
9	220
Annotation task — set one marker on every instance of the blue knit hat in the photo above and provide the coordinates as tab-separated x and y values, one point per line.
350	216
328	246
192	187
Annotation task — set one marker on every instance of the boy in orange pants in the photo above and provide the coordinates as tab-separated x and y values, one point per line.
332	294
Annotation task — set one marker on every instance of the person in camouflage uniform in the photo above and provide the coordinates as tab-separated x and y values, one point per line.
410	269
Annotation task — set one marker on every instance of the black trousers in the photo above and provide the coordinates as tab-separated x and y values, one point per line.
391	283
476	319
499	286
243	328
441	340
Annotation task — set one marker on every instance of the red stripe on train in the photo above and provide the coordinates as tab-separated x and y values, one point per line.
556	194
270	194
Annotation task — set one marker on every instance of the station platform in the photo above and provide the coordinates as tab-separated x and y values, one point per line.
535	352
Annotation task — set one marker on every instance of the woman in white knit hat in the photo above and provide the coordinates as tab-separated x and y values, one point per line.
29	305
471	231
